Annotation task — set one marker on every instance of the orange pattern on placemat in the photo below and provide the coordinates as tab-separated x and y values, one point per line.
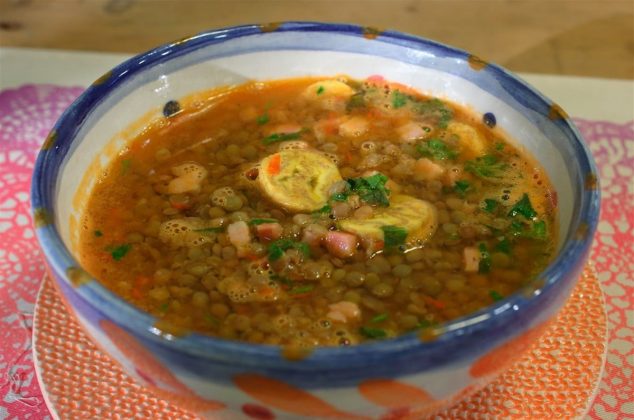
393	394
286	397
501	357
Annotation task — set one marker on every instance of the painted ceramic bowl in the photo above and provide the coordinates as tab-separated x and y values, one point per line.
413	375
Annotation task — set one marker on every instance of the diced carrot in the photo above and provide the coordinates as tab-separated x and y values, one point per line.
434	302
275	164
269	231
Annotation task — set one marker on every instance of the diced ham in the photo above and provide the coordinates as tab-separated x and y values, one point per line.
268	231
341	244
344	311
425	169
240	237
471	259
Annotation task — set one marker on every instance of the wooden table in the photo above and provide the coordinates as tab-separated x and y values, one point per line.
582	38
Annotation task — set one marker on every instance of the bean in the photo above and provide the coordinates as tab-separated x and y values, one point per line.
355	279
219	310
339	274
228	252
395	259
455	283
197	269
200	299
162	154
302	219
379	264
238	216
371	279
408	321
450	228
352	296
431	285
455	203
185	279
373	303
160	294
195	253
249	152
233	203
402	270
241	323
415	255
458	216
162	275
383	290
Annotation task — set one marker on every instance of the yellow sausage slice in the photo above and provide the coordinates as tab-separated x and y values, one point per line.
471	141
298	179
418	217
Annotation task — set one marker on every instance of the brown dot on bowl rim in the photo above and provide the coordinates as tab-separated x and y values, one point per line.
78	276
556	112
270	27
476	63
582	231
102	79
370	32
41	217
591	182
50	140
489	119
171	108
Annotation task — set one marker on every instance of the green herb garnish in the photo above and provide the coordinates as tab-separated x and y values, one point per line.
490	205
524	208
499	146
212	319
538	230
320	90
495	295
461	187
399	99
372	332
324	210
486	166
298	290
263	119
485	259
504	246
278	137
255	222
371	189
342	196
379	318
98	233
436	149
277	248
164	307
286	282
394	235
125	166
210	229
437	109
119	251
356	101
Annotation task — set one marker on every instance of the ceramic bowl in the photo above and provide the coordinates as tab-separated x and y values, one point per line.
415	374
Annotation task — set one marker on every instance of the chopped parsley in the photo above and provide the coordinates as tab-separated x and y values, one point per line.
98	233
320	90
490	205
356	101
538	230
278	137
393	236
495	295
486	166
263	119
341	196
325	209
164	307
399	99
379	318
524	208
298	290
277	248
255	222
286	282
437	109
436	149
504	246
372	332
120	251
499	146
485	259
461	187
371	189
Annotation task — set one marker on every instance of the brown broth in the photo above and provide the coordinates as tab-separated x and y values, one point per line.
176	252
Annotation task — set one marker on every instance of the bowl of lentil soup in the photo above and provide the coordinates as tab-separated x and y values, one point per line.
313	220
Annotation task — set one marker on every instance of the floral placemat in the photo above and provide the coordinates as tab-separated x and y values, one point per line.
28	113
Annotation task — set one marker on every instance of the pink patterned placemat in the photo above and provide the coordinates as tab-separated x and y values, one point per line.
27	114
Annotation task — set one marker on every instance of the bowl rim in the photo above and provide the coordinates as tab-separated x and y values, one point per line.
573	251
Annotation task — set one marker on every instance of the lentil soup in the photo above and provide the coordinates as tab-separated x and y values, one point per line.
309	212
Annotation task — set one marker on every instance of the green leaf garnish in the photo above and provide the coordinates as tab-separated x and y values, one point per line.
371	189
538	230
164	307
372	332
342	196
277	248
485	259
504	246
499	146
436	149
461	187
399	99
495	295
298	290
278	137
255	222
437	109
356	101
286	282
210	229
524	208
379	318
120	251
486	166
490	205
98	233
320	90
324	210
263	119
394	235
